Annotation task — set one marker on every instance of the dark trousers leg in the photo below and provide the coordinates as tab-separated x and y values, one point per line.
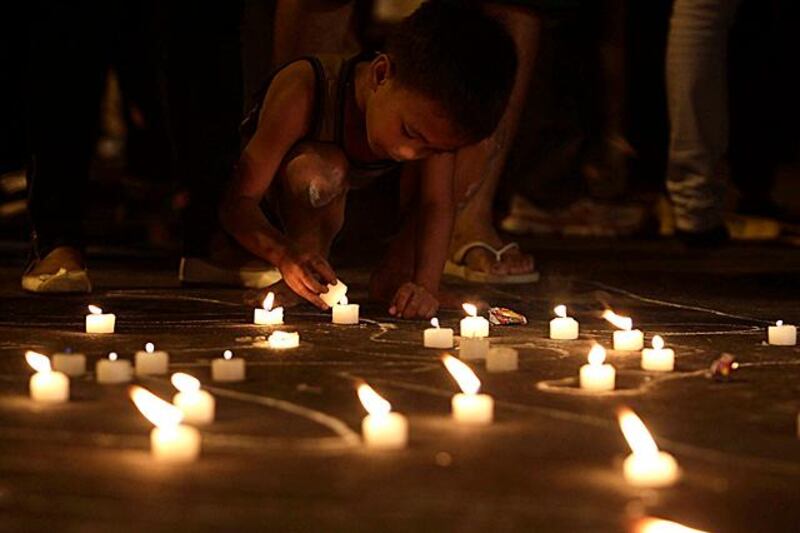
204	99
66	70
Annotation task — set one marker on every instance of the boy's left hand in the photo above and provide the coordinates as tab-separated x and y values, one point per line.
413	301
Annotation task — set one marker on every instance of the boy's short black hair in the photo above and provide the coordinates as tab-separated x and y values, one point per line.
463	59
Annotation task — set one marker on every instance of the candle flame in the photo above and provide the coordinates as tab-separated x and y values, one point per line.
467	381
344	300
149	347
621	322
470	309
185	383
560	311
658	343
95	310
156	410
597	355
268	301
639	438
657	525
373	402
435	322
779	323
39	362
112	356
227	354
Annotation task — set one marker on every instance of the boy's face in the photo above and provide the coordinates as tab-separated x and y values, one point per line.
403	124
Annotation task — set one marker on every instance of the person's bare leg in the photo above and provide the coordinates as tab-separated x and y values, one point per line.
312	26
479	167
310	199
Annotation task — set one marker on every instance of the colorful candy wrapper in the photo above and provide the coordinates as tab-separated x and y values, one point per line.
722	368
503	316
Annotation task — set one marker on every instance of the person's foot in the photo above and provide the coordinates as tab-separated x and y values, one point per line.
227	264
512	262
63	270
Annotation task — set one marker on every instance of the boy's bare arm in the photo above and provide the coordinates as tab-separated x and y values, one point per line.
284	120
436	211
436	217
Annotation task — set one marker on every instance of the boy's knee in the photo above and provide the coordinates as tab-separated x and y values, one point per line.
318	174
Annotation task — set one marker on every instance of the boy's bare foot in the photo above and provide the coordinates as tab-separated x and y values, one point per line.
63	270
284	296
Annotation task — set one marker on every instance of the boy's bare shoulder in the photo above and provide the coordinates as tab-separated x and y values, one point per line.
290	95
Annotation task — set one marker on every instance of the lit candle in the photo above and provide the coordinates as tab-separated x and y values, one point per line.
170	440
469	407
647	466
502	359
335	293
627	338
437	337
381	428
267	316
227	368
563	327
72	364
151	362
97	322
658	358
473	325
283	340
345	313
196	405
112	370
782	334
46	385
657	525
473	348
597	376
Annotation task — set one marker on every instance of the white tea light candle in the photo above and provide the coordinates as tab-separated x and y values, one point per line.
597	376
283	340
473	348
46	385
381	428
228	368
170	441
563	327
197	405
335	293
151	362
112	370
72	364
99	322
658	359
437	337
502	359
267	316
473	325
782	334
468	407
344	313
627	338
647	466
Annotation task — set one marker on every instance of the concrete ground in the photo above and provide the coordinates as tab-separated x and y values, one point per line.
285	452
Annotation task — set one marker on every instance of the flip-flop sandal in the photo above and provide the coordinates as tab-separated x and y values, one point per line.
455	267
62	282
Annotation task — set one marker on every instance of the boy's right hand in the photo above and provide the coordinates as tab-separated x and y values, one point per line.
302	272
